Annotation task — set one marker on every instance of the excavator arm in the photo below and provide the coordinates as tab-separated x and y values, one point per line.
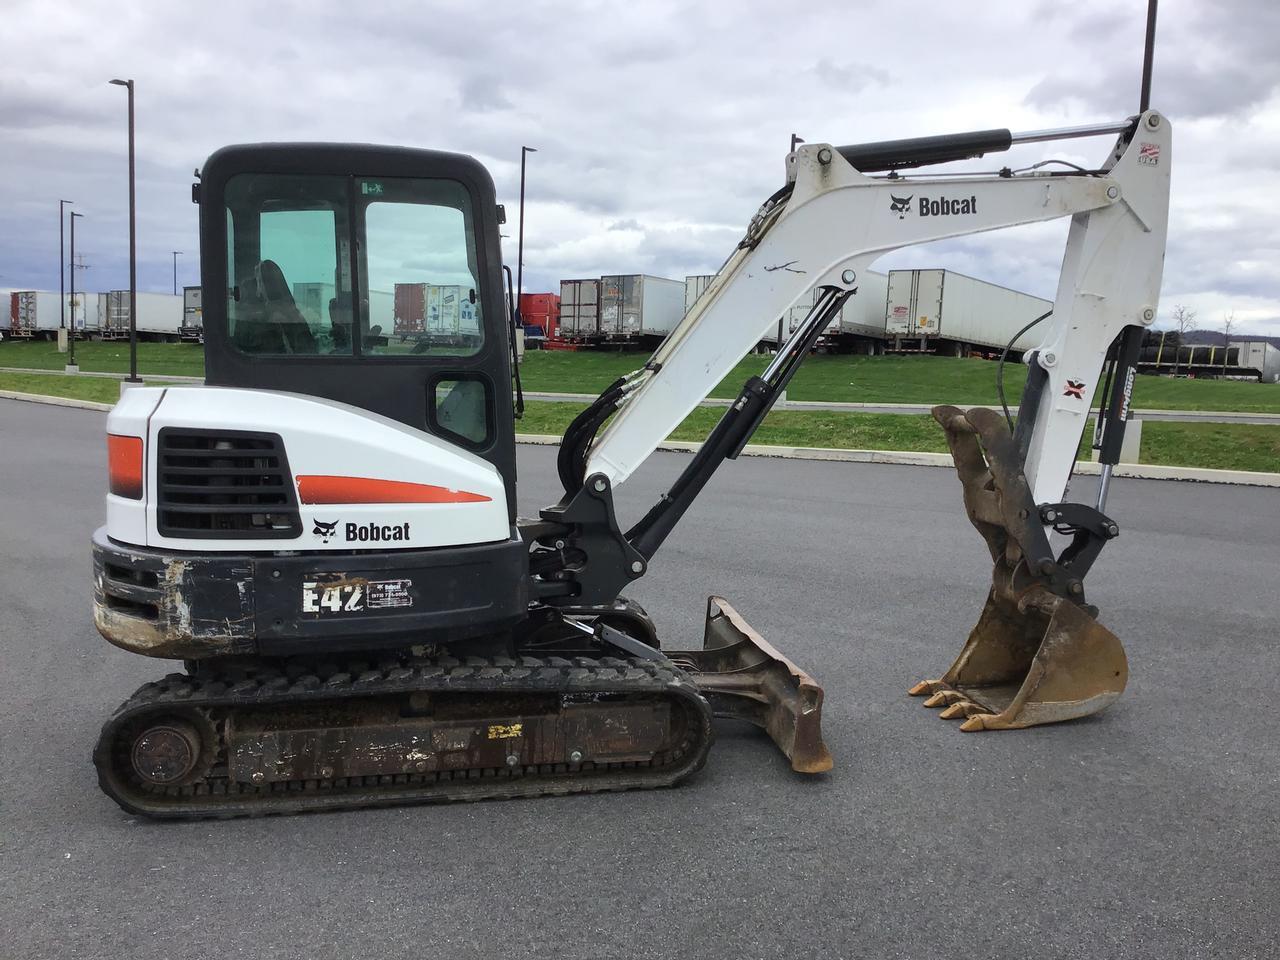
1038	653
832	221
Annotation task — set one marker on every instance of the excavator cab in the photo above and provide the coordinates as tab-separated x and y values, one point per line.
382	289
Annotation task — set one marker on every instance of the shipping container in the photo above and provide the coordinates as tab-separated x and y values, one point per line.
541	311
579	309
192	328
38	313
931	306
694	287
634	306
159	315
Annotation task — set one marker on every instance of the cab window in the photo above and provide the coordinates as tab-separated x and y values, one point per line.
291	267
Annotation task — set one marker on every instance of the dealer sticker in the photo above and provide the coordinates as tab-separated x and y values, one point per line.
355	595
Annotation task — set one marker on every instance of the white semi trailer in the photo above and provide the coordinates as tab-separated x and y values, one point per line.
192	329
858	327
160	315
941	311
637	307
38	314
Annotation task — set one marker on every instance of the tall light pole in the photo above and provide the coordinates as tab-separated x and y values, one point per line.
71	340
133	249
62	263
176	255
524	152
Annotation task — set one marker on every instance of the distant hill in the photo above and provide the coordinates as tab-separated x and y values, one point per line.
1211	338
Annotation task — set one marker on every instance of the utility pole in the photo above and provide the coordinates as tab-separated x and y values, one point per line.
524	151
176	255
133	248
62	265
71	340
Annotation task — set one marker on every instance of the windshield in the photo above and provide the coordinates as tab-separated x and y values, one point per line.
290	265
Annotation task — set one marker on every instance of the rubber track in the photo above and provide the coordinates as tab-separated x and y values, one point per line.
217	796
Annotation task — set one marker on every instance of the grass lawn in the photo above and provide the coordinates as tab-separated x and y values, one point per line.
98	389
1220	446
1223	446
909	379
181	359
897	379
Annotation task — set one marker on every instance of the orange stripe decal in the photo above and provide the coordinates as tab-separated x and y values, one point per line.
366	490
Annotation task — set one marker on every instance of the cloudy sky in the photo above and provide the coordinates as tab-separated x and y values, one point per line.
659	126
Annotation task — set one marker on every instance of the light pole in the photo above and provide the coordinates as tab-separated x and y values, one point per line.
176	255
62	264
71	340
133	249
524	152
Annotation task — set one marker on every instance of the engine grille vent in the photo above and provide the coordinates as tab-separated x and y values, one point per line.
225	483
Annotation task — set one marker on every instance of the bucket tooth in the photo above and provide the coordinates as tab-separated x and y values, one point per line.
925	687
944	698
961	708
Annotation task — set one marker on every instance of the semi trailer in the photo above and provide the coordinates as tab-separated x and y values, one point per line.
192	328
931	311
639	308
38	314
160	315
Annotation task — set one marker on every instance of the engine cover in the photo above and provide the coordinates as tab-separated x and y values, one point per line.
230	470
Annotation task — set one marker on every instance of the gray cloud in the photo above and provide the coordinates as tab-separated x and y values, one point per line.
659	126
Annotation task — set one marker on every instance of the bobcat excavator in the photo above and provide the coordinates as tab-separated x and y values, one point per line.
326	532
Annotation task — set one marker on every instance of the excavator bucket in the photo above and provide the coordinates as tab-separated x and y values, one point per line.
1037	654
744	677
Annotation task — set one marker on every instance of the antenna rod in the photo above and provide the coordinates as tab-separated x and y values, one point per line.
1147	56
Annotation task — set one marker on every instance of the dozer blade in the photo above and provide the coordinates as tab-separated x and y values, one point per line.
742	676
1036	655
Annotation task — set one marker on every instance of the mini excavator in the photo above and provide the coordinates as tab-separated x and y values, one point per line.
326	532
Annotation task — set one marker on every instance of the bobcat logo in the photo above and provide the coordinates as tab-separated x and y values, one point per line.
324	530
900	205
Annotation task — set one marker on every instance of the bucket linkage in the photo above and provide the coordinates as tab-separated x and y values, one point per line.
1037	654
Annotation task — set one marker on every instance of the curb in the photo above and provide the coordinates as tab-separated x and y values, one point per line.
55	401
922	409
1137	471
177	377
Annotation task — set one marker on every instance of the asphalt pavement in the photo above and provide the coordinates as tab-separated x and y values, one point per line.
1150	830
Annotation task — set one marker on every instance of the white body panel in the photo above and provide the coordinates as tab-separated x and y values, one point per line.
837	221
951	306
321	438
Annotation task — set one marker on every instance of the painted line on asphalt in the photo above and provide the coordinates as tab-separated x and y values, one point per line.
1138	471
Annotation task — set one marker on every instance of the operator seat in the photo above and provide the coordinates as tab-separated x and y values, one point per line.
267	319
281	313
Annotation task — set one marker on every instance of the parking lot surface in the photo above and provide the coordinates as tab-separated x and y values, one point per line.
1150	830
